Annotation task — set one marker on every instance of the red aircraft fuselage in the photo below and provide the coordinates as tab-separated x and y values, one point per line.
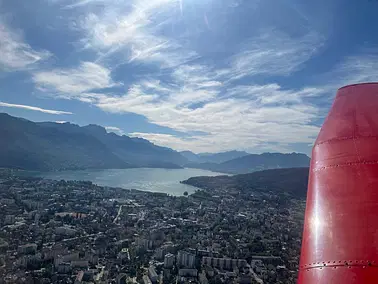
340	236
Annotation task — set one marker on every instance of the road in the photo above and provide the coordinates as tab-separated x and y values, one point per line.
119	213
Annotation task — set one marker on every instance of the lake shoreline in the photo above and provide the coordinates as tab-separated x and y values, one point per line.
142	179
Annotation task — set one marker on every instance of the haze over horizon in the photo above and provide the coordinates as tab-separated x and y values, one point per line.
205	76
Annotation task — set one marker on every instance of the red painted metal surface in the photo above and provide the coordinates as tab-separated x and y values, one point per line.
340	236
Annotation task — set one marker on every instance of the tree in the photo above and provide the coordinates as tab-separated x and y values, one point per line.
186	193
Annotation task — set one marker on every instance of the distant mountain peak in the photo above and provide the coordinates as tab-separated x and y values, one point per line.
280	154
213	157
224	153
95	127
257	162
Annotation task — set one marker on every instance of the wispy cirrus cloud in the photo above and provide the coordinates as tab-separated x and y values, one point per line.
273	53
226	141
133	30
79	3
136	32
74	82
358	68
217	116
33	108
361	67
15	53
243	122
273	93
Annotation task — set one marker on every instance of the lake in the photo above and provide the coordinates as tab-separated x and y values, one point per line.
147	179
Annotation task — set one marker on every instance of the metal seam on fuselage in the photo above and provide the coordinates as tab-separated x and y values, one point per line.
340	263
330	141
345	164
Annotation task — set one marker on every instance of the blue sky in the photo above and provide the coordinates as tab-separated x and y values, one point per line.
200	75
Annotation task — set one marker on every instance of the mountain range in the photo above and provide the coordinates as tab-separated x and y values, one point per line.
55	146
213	157
58	146
256	162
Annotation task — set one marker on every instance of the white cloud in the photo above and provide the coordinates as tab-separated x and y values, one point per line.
272	93
240	122
49	111
133	29
360	68
76	81
61	121
356	69
80	3
272	53
115	130
136	31
15	53
73	4
167	140
252	142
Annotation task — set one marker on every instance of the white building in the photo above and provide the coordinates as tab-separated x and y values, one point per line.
188	272
202	278
70	257
146	280
143	243
186	259
152	274
27	249
67	231
159	253
7	201
9	220
36	218
224	263
169	260
26	260
121	278
64	268
92	257
79	263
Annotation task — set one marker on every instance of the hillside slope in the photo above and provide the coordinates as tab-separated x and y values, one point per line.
292	181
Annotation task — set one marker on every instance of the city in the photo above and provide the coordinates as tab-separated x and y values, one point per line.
78	232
